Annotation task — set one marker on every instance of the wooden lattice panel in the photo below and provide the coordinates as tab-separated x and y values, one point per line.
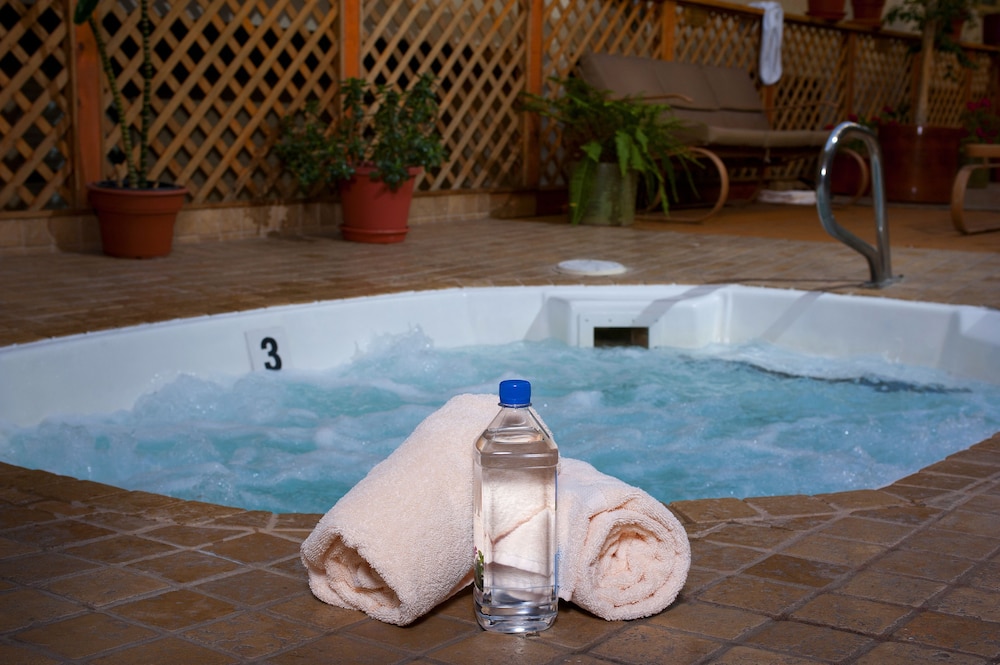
881	76
36	161
983	81
575	27
718	37
810	92
948	92
225	72
477	51
713	36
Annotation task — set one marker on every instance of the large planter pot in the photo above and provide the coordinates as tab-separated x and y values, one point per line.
373	212
611	199
827	10
847	176
919	163
991	29
136	223
867	13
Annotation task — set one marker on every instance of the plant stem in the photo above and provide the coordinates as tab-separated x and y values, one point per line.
116	95
147	95
920	113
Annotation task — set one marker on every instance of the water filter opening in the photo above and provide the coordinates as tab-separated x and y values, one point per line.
621	336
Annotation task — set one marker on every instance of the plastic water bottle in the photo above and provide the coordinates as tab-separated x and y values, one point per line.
515	518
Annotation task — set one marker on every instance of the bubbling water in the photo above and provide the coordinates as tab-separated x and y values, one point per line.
717	422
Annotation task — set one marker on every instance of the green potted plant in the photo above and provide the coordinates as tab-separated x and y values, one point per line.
921	159
381	141
610	144
136	215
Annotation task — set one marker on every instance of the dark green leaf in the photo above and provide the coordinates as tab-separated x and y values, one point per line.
84	8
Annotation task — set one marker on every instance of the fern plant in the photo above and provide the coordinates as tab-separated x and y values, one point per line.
641	137
379	126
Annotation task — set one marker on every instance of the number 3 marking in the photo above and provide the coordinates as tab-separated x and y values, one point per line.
270	345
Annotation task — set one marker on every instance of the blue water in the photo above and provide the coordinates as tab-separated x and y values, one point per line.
713	423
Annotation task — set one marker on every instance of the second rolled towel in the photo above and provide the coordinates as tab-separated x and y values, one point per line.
623	554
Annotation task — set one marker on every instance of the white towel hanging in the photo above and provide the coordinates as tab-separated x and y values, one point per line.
770	47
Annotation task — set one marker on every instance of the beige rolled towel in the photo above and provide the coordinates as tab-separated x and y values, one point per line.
623	554
400	541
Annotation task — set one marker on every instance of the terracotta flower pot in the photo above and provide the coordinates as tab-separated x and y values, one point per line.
867	12
827	10
846	176
920	163
373	212
991	29
136	223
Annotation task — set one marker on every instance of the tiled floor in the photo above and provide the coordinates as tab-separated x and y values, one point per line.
89	573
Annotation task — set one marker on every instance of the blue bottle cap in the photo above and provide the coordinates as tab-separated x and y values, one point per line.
515	392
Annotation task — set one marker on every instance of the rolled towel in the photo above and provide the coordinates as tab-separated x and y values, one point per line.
400	541
623	554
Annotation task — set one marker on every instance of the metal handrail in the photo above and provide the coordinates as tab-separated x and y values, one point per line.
879	262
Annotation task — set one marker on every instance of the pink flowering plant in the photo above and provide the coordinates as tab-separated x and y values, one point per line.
981	122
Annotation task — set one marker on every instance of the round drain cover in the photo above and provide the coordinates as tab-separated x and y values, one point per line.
591	268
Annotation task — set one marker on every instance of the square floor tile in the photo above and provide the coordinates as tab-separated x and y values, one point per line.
20	608
806	641
851	614
105	586
644	644
250	635
255	587
175	610
953	632
85	635
186	566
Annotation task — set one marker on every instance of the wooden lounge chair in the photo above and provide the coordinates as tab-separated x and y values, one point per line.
990	156
726	121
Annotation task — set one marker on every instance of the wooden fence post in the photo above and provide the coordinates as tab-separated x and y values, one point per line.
350	38
668	29
531	146
87	126
851	45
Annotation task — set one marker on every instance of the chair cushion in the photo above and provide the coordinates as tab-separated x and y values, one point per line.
631	76
725	108
733	88
624	76
687	79
764	138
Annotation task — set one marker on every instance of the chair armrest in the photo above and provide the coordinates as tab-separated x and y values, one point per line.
803	105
